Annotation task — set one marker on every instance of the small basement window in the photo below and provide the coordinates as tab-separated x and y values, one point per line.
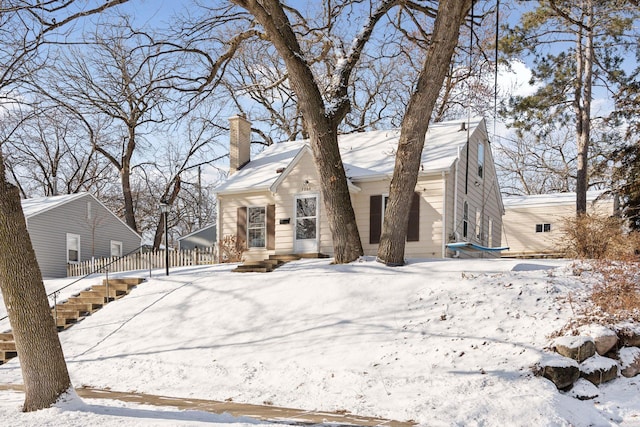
543	228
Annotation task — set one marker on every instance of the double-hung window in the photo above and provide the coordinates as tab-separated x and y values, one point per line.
256	227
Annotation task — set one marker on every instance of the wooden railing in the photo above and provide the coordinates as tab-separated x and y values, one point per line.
145	261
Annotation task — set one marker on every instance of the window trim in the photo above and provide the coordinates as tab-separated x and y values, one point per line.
543	227
118	244
77	239
264	226
481	159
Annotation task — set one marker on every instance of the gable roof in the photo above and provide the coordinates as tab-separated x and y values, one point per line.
365	155
553	199
38	205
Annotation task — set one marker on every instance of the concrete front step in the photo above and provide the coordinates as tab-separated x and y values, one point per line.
273	262
285	257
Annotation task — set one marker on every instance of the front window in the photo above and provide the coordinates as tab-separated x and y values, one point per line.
73	248
256	227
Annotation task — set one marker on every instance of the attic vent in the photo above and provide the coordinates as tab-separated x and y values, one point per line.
279	170
463	126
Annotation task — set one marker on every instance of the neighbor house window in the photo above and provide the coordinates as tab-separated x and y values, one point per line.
73	248
256	227
465	220
478	224
481	159
543	228
116	249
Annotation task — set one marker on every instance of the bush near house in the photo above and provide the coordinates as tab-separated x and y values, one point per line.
596	236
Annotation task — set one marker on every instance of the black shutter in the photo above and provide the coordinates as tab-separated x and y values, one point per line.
271	226
413	231
375	218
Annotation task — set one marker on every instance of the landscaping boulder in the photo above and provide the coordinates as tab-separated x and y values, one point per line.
604	338
578	348
598	369
629	334
629	361
584	390
562	371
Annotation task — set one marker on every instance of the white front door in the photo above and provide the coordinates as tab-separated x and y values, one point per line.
306	224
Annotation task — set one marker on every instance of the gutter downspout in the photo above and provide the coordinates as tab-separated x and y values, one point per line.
218	227
455	200
444	214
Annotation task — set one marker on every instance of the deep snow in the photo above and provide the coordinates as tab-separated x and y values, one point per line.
441	342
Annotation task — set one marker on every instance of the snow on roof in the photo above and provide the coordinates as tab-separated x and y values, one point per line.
366	155
548	199
37	205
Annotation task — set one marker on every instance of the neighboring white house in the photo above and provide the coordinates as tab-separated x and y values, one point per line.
532	224
201	239
273	204
73	228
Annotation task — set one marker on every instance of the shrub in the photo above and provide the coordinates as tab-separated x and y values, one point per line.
231	250
594	236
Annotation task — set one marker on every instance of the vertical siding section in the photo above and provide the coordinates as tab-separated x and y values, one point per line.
482	194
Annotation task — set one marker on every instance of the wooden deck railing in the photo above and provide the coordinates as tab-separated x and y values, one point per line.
145	261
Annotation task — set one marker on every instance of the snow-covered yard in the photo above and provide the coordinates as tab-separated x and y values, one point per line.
441	342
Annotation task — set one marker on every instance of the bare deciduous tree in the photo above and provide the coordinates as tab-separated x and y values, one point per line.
449	18
25	26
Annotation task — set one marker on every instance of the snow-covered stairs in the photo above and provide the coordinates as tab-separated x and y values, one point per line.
76	308
273	262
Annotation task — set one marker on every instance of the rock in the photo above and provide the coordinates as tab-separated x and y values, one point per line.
562	371
598	369
584	390
578	348
629	334
604	338
629	361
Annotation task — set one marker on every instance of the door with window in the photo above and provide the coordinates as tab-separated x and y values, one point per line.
306	231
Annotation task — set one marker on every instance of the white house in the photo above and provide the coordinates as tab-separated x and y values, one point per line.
272	203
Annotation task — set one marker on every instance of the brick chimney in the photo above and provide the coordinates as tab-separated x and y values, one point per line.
239	142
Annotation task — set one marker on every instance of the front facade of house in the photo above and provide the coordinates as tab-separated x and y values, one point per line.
533	224
73	228
273	202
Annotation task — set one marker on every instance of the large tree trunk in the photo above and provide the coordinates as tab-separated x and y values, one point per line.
322	125
347	246
44	370
582	102
451	14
